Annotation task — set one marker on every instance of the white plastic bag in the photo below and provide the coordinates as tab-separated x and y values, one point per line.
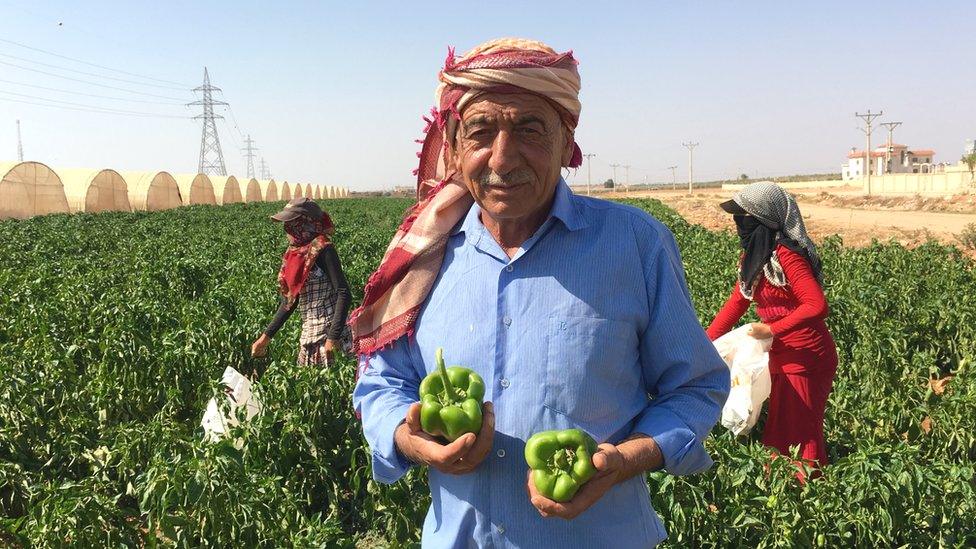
748	361
215	424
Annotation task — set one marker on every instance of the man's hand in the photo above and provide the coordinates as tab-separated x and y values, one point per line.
759	330
634	456
609	464
260	346
457	458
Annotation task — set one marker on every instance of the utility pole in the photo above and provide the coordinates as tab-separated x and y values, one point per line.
20	145
868	120
691	163
891	130
211	156
614	166
265	171
627	177
249	149
588	171
674	178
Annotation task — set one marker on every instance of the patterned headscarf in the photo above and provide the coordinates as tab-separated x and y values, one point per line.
398	288
777	209
307	238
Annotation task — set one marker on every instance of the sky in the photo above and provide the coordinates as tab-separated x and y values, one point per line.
333	92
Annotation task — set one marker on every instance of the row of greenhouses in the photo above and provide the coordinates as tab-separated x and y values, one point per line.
32	188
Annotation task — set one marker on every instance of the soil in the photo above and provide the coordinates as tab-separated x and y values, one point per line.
857	219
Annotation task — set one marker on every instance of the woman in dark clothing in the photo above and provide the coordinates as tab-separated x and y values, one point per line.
312	280
780	271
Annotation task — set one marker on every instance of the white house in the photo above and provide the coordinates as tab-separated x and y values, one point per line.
888	159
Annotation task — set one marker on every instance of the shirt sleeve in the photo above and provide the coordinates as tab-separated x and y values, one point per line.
281	315
806	288
685	377
387	387
729	315
328	261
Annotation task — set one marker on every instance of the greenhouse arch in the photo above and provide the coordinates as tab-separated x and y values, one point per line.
30	188
95	190
152	191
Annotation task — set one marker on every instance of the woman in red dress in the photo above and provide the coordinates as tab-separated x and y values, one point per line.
780	271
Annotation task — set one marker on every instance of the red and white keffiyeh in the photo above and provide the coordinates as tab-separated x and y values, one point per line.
306	239
395	292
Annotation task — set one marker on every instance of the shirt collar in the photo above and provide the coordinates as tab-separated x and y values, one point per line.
564	208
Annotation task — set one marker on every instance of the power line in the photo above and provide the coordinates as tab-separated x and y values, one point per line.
98	110
674	178
20	145
90	83
237	143
588	170
90	94
237	126
891	130
89	73
868	119
691	163
25	46
249	149
73	104
211	155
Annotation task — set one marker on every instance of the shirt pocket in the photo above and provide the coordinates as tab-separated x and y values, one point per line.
589	364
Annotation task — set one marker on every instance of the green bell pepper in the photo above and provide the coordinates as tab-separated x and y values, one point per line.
561	462
451	401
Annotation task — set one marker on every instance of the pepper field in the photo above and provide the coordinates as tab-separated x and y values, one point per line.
116	327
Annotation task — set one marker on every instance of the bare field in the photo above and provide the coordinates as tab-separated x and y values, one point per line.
844	211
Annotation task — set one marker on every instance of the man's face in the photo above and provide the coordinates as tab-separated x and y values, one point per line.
509	150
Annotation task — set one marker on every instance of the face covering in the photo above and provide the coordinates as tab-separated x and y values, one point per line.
758	242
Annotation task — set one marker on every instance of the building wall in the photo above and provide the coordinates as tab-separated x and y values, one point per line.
954	180
794	184
946	183
900	163
854	169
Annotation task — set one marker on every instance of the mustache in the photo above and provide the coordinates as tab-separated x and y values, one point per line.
513	178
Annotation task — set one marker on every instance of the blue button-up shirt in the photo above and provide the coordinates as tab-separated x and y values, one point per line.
589	325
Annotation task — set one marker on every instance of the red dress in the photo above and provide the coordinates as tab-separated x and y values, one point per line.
802	359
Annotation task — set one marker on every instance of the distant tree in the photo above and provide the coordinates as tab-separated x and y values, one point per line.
970	161
744	177
608	184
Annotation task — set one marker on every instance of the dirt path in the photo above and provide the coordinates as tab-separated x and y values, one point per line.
935	222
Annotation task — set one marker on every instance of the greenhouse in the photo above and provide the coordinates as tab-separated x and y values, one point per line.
269	190
226	189
152	191
195	189
250	190
28	189
95	190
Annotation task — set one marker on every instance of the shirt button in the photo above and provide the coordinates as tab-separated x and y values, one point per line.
501	452
501	529
506	383
509	268
507	320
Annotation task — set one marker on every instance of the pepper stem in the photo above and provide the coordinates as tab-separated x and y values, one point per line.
563	458
446	381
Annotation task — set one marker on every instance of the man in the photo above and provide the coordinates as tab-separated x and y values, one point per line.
573	310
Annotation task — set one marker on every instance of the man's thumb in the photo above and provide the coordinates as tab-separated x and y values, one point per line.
413	416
